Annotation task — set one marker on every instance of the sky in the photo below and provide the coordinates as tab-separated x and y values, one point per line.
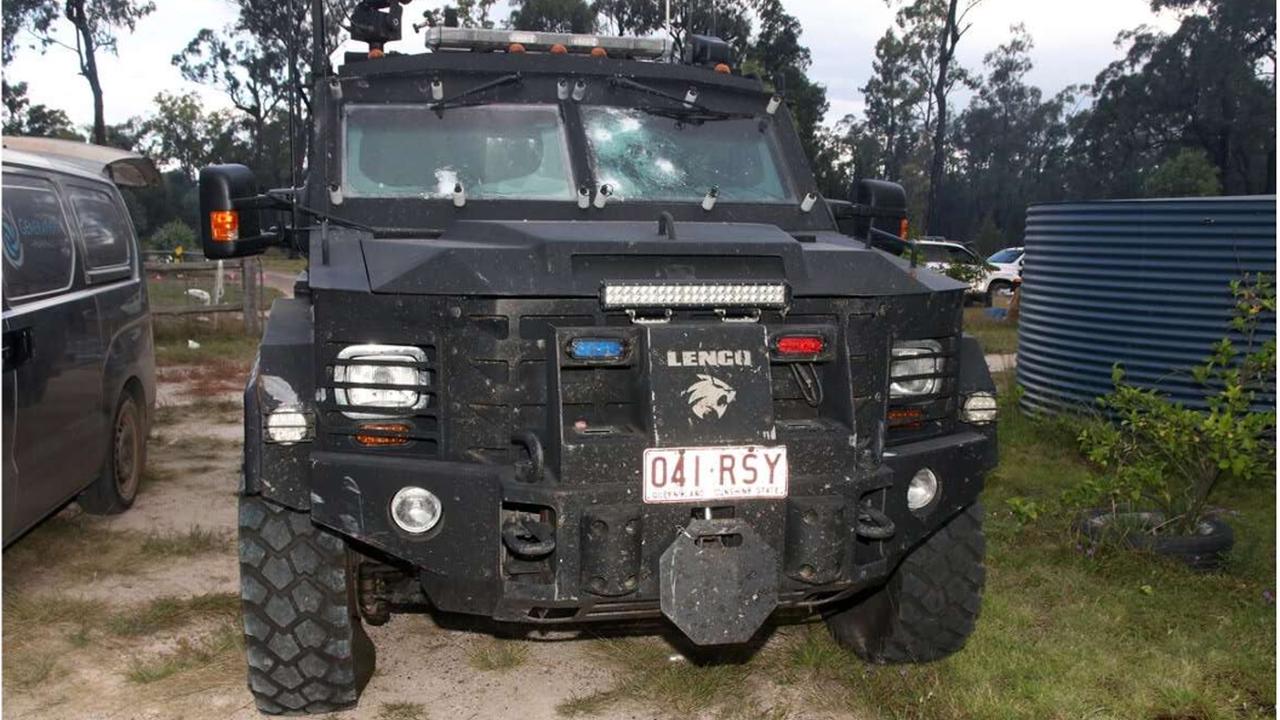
1073	42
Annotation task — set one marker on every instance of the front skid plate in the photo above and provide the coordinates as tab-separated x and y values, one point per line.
719	581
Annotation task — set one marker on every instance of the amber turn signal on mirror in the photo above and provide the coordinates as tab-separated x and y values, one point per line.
224	225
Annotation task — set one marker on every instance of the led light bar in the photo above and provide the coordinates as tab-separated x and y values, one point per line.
693	295
451	38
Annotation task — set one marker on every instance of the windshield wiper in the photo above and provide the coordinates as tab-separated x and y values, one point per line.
460	99
693	115
687	111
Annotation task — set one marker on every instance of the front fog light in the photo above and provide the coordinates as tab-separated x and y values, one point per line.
922	489
979	408
415	510
287	426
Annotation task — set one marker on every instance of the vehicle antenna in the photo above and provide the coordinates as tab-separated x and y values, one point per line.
293	123
319	41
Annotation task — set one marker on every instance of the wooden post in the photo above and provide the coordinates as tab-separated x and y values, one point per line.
250	300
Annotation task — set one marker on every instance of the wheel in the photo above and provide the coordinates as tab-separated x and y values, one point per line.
306	649
929	607
1206	549
995	290
117	485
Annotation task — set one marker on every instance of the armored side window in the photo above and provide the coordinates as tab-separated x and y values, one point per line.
105	230
39	257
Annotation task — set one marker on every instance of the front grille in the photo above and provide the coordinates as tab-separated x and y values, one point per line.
500	365
342	421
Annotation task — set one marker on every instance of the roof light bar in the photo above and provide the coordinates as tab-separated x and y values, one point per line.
452	38
693	295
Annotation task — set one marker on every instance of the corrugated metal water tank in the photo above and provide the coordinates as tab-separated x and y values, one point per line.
1143	283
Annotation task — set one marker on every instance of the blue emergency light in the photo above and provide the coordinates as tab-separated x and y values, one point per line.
597	348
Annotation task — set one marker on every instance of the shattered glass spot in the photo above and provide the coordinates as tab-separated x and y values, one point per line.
648	157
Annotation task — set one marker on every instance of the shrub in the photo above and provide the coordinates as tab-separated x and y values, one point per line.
1159	454
172	234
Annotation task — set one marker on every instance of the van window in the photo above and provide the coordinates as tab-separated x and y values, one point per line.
38	253
103	226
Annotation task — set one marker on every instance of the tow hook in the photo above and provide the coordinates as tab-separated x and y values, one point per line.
528	538
531	468
873	524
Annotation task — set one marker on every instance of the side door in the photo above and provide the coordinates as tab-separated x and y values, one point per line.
53	353
110	256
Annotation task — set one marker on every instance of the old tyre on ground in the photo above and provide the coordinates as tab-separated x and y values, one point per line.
1206	549
929	607
307	651
117	485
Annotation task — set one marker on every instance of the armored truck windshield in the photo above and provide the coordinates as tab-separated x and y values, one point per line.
493	151
644	156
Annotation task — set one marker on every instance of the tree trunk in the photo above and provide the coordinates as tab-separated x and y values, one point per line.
946	48
89	66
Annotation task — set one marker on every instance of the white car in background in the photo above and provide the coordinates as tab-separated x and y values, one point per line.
1002	269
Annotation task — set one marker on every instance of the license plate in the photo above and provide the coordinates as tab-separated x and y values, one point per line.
700	474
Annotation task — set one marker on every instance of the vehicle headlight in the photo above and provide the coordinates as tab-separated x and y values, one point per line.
391	379
980	408
916	368
288	425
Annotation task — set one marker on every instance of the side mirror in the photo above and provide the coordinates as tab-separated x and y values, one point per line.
230	225
877	214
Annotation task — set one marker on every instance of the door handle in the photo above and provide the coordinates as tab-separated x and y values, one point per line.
17	347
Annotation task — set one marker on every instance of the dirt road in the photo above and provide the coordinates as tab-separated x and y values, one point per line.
136	616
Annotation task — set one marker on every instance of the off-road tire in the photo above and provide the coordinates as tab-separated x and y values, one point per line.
930	605
116	486
307	651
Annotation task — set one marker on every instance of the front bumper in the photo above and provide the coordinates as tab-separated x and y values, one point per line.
609	545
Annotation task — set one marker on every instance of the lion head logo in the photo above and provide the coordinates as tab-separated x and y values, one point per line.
709	395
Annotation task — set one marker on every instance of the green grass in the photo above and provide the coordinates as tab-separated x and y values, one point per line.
195	541
1063	633
172	348
996	336
494	654
279	261
647	676
220	647
166	613
83	547
29	669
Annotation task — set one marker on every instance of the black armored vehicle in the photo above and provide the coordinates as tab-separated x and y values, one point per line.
579	341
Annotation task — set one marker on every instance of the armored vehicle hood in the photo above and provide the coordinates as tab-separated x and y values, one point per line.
573	259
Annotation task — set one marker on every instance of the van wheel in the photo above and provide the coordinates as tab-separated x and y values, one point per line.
995	290
307	651
117	485
930	605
